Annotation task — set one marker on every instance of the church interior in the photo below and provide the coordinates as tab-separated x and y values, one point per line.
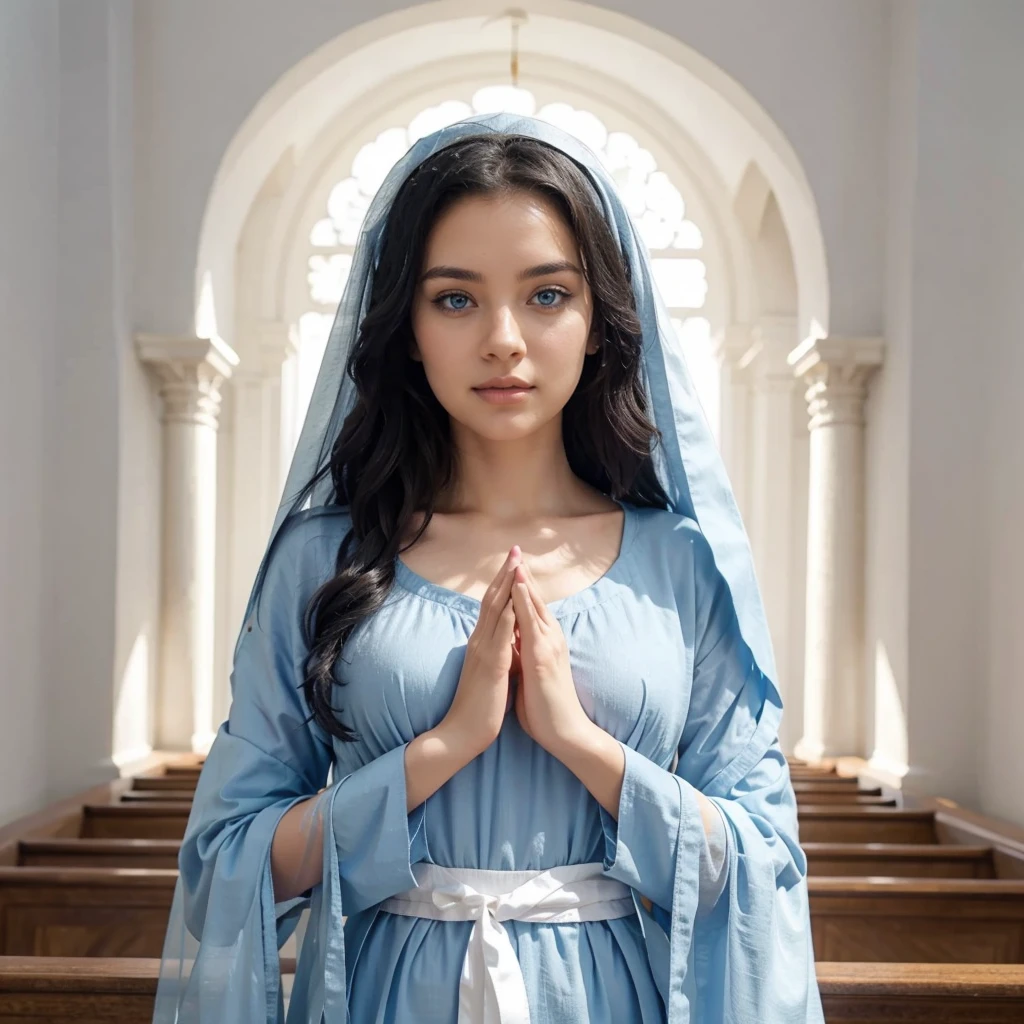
830	193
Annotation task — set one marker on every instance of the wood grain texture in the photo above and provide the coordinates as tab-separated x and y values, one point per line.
917	920
84	911
99	853
143	820
121	991
834	823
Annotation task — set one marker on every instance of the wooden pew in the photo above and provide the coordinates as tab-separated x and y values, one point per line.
831	822
836	823
916	860
75	991
122	991
925	993
123	912
134	796
917	920
99	853
910	860
143	820
159	783
84	911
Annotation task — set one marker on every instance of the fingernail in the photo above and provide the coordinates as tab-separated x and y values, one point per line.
515	551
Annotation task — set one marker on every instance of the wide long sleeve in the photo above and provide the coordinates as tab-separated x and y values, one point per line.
744	957
221	953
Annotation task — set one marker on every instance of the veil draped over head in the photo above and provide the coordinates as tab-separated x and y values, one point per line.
750	960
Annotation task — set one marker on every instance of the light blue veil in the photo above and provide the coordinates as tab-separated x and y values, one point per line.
220	960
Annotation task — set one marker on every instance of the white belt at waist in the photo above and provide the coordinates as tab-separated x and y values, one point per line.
492	990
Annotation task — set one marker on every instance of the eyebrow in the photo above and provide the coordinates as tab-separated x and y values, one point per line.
541	270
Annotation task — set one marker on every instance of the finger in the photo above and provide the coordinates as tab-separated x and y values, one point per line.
526	612
507	622
495	599
511	559
491	613
539	606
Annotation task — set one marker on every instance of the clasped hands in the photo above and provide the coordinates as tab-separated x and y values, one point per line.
546	702
516	635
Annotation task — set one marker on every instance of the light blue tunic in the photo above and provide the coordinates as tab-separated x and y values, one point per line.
658	662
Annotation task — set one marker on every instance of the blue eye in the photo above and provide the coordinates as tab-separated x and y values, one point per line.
450	295
461	297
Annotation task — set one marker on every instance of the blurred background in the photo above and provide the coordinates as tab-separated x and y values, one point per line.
832	196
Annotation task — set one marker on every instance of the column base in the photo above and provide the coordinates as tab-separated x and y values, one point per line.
810	751
202	741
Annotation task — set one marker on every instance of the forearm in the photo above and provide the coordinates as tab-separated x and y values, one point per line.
297	851
597	759
431	759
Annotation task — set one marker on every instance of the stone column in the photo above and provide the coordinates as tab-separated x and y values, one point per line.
734	348
837	372
189	371
257	474
771	520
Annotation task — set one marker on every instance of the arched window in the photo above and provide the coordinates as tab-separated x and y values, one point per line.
654	202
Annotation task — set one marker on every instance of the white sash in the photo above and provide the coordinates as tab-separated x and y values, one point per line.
492	990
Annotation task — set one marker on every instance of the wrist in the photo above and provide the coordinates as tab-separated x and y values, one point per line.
582	742
598	760
452	743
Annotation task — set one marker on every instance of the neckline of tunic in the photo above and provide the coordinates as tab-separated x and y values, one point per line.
592	594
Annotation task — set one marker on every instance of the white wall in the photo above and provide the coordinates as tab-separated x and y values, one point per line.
93	319
29	100
947	486
973	169
66	122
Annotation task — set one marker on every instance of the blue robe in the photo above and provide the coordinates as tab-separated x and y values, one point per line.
658	661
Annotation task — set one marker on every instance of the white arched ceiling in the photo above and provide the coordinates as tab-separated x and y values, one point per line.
621	66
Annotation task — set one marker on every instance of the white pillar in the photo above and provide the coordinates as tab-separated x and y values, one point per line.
733	347
772	516
258	470
836	371
189	371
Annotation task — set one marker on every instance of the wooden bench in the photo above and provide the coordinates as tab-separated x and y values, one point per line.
910	860
836	823
99	853
864	993
917	920
84	911
134	796
123	912
143	820
75	991
160	783
122	991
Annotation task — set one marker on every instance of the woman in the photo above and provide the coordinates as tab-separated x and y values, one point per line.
509	605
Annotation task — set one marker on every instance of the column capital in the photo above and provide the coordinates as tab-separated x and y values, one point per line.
265	345
836	371
734	346
190	371
773	338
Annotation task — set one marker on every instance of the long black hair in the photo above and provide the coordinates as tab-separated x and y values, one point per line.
393	454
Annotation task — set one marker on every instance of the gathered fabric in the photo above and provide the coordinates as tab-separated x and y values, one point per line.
491	988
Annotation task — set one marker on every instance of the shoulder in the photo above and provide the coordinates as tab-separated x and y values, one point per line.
662	529
304	551
324	524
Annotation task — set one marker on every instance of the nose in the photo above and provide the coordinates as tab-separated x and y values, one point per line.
503	338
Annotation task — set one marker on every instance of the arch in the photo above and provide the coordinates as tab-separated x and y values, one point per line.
608	57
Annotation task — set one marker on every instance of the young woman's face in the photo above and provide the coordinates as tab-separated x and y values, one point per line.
502	294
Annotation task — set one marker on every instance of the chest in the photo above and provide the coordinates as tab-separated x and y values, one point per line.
564	556
630	657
